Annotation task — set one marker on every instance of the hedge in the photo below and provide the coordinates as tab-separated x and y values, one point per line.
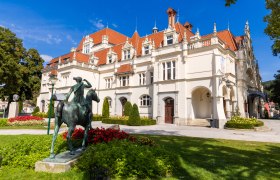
243	123
144	121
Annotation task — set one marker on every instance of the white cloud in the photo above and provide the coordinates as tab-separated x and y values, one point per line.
115	25
46	58
69	38
97	23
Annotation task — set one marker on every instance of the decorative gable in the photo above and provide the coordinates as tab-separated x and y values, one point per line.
87	44
170	36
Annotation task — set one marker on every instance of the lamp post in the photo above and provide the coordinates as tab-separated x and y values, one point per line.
53	80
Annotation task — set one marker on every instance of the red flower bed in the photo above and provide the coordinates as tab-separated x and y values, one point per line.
99	135
25	118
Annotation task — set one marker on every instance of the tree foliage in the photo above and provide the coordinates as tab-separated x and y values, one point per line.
127	108
134	117
105	108
20	69
273	23
275	88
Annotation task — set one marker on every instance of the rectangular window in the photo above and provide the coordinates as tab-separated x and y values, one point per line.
126	54
142	79
151	77
163	67
169	70
169	39
108	83
124	81
110	60
86	48
146	49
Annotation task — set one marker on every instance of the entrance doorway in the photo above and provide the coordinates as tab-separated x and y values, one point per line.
169	110
123	101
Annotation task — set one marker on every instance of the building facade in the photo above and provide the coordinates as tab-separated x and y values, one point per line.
174	76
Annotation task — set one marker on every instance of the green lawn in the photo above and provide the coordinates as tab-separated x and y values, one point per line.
197	158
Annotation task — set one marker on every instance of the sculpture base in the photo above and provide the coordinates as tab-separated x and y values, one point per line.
61	163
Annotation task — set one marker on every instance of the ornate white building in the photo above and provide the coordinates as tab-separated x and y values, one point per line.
174	75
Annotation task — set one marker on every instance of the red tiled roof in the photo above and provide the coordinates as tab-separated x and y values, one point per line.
80	57
125	68
114	37
227	37
53	72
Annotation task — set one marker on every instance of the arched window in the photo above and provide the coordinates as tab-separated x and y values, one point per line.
109	101
145	100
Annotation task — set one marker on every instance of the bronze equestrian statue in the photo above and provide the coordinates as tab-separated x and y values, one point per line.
76	112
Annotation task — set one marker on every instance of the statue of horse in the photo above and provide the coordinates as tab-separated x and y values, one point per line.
73	114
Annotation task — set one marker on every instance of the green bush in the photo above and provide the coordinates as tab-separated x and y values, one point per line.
29	149
3	122
134	117
36	110
20	106
127	108
97	117
40	114
243	123
105	108
125	159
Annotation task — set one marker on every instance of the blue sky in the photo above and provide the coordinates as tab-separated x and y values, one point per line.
53	27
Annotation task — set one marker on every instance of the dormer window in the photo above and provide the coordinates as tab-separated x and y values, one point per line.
169	39
110	59
146	50
86	48
87	44
126	54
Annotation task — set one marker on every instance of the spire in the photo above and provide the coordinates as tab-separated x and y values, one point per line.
228	26
155	29
215	29
136	24
247	26
107	25
197	32
178	16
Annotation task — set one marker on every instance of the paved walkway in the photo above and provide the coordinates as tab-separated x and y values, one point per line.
192	131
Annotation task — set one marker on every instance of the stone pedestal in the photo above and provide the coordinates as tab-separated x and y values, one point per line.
13	110
61	163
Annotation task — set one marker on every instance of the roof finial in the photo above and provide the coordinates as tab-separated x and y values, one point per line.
107	25
197	32
136	24
178	15
228	26
215	29
247	26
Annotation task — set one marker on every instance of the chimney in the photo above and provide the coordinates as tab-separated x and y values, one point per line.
188	26
171	17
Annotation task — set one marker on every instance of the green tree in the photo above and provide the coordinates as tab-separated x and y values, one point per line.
105	108
20	70
134	117
275	88
32	65
273	23
11	54
127	108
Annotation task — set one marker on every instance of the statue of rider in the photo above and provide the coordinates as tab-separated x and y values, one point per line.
78	90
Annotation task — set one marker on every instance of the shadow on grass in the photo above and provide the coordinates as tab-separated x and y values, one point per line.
215	159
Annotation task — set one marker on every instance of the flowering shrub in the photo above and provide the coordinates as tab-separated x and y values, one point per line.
25	118
98	135
26	121
243	123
